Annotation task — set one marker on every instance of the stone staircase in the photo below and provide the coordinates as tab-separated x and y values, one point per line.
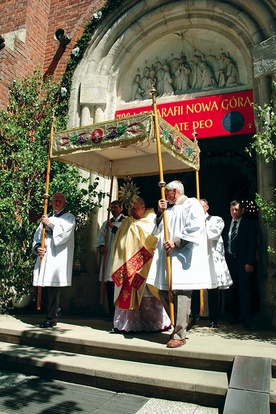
85	352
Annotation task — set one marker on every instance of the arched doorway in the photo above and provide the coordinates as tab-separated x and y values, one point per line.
226	173
133	37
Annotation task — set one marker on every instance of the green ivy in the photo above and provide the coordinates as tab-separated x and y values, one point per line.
264	143
24	139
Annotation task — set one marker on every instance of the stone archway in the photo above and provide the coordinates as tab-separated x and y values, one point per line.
162	31
129	38
148	31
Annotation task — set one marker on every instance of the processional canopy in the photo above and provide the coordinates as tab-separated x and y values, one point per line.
129	143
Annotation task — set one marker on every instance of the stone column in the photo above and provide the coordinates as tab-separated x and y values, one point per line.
86	116
99	113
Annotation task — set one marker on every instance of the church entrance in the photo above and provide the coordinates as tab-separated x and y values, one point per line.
227	172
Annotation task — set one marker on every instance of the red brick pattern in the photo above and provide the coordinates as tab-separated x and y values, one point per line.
40	18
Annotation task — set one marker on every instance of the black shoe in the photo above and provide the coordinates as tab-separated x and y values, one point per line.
48	323
189	326
115	330
194	320
213	325
192	324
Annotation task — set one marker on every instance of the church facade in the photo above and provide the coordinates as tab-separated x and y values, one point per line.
209	61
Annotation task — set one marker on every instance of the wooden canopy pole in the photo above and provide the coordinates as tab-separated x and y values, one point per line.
201	292
162	185
45	208
106	239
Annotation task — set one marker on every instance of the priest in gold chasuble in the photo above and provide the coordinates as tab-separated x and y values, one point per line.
132	254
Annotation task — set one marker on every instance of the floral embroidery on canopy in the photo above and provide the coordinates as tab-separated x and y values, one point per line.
129	143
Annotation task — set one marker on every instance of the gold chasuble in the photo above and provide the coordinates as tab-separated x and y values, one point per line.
132	254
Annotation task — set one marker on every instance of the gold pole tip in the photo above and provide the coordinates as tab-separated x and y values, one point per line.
153	91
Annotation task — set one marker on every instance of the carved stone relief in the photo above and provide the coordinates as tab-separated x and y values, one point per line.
182	64
180	76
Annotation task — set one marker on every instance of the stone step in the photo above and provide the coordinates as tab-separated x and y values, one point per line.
205	348
82	350
202	387
123	347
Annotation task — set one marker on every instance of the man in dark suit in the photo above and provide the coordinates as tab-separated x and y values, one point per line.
240	248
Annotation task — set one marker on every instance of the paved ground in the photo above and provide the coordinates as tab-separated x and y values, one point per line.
31	395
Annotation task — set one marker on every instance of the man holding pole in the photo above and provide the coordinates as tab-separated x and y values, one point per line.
54	264
187	248
104	244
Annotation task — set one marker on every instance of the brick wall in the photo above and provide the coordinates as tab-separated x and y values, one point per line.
39	19
71	16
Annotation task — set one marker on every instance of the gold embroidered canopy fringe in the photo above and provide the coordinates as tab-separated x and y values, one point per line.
129	143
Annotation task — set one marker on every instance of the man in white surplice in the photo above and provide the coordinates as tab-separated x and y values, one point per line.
54	264
187	246
220	275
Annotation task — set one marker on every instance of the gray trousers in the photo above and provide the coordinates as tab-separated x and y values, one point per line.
182	309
